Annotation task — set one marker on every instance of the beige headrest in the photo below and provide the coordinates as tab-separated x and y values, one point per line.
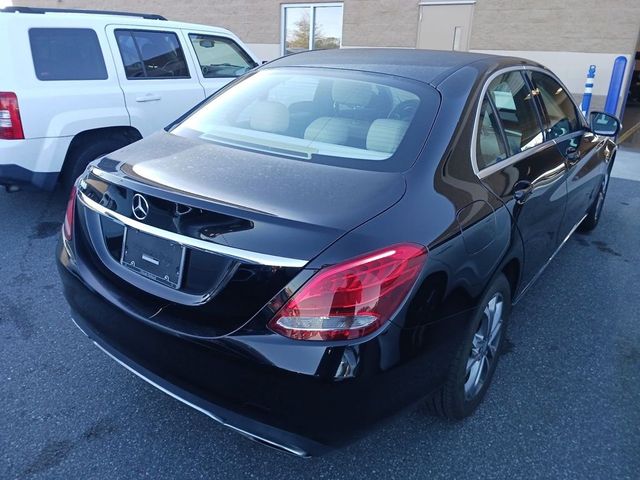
386	134
353	94
269	117
329	130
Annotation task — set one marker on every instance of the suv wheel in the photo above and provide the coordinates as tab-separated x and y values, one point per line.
472	369
85	152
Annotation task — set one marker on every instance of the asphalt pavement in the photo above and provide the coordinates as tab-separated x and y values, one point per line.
565	401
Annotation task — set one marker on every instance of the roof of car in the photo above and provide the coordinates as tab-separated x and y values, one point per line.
423	65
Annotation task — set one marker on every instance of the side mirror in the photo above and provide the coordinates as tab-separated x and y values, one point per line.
206	43
604	124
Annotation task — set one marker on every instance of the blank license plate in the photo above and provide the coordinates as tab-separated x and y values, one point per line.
153	257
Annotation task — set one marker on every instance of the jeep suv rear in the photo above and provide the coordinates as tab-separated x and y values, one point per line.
78	84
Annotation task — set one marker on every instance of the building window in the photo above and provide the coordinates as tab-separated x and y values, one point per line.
298	35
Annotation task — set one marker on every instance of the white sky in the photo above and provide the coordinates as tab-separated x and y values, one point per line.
4	3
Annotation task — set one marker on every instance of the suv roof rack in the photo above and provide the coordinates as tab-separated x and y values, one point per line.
148	16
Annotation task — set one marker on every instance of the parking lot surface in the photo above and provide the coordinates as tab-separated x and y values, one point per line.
565	402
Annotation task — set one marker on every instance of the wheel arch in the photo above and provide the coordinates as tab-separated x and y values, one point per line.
127	133
511	270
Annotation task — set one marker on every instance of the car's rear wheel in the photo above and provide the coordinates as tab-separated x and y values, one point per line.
595	212
475	362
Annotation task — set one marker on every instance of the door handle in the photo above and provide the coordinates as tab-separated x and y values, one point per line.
149	97
572	154
522	190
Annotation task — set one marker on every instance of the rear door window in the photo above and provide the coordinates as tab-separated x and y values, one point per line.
67	54
560	112
514	102
150	54
220	57
490	147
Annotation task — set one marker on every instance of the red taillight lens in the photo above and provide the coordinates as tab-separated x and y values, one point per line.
10	123
351	299
67	227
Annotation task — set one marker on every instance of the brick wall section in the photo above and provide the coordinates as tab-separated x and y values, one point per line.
599	26
378	23
254	21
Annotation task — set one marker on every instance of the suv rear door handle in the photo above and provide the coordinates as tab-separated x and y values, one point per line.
149	97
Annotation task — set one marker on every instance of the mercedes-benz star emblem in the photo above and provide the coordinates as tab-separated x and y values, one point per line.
140	207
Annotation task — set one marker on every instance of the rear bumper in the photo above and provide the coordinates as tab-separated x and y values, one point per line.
300	398
189	372
33	161
16	175
264	434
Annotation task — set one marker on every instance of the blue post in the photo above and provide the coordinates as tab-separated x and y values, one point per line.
588	90
617	79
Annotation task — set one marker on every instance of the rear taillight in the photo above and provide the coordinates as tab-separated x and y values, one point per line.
351	299
10	123
67	227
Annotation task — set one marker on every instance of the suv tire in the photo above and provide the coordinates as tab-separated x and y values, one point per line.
86	151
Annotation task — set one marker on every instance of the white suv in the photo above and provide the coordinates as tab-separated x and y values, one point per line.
77	84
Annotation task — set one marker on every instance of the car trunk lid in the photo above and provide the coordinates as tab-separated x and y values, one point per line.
249	221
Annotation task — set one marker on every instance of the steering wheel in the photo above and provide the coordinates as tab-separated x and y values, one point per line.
166	68
404	110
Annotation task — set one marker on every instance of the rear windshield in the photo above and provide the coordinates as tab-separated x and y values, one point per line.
354	119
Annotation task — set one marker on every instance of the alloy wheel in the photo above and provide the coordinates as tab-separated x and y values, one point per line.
484	346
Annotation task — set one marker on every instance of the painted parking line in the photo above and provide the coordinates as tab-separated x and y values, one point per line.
626	135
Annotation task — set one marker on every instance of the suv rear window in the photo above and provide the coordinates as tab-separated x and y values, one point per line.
151	54
67	54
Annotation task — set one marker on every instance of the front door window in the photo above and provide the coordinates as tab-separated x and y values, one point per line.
220	57
561	113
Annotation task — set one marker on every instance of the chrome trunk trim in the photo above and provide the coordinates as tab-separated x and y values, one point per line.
236	253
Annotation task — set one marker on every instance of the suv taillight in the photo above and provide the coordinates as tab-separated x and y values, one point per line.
67	226
351	299
10	123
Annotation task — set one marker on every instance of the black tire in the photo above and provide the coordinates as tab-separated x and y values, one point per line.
595	211
86	151
460	395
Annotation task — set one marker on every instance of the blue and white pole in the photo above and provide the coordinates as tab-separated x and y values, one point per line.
615	86
588	90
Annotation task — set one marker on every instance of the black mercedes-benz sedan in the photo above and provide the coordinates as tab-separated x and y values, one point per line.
334	237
